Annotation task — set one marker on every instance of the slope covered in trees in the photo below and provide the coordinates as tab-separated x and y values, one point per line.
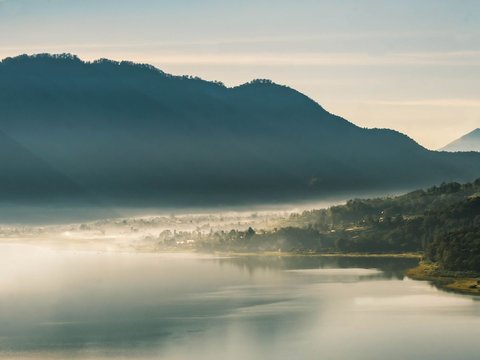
443	222
133	135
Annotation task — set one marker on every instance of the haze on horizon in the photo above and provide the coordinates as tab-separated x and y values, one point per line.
410	66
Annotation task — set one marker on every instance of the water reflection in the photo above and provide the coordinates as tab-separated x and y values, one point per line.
390	267
87	305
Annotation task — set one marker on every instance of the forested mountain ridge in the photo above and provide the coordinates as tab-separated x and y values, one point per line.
131	134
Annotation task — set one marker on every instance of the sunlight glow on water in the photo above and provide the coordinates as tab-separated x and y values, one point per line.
98	305
339	272
415	301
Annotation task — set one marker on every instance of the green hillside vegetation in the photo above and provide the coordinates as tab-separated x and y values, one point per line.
443	222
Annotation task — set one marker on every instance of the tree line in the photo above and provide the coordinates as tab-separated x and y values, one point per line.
443	222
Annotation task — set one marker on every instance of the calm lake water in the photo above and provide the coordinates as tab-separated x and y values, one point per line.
88	305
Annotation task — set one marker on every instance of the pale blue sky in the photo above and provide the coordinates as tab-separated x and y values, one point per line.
409	65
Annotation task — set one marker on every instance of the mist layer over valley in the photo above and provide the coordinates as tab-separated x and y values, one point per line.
141	233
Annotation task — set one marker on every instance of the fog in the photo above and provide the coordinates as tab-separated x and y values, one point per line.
137	232
107	288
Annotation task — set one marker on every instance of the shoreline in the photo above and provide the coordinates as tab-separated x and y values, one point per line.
313	254
460	282
466	283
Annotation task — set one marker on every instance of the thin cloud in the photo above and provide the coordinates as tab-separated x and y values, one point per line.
464	58
432	102
258	39
315	59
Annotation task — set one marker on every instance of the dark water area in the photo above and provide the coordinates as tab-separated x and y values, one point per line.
62	304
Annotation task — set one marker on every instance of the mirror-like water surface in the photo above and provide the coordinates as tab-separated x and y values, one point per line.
97	305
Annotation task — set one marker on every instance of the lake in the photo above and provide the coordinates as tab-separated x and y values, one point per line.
64	303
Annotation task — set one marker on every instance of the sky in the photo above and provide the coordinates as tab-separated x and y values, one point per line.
413	66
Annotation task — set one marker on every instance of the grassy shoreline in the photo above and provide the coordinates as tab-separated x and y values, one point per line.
315	254
461	282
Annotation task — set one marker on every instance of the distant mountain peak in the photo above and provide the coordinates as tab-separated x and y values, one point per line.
468	142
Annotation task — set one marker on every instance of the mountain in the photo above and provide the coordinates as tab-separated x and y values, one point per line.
24	176
131	134
468	142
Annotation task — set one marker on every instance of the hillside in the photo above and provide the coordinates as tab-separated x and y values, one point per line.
468	142
24	176
132	134
442	222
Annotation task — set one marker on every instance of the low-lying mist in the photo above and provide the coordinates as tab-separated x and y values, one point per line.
107	228
142	233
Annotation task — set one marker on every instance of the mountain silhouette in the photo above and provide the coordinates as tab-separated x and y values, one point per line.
468	142
26	177
132	134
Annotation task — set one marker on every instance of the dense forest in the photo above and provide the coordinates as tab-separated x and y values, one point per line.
442	221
